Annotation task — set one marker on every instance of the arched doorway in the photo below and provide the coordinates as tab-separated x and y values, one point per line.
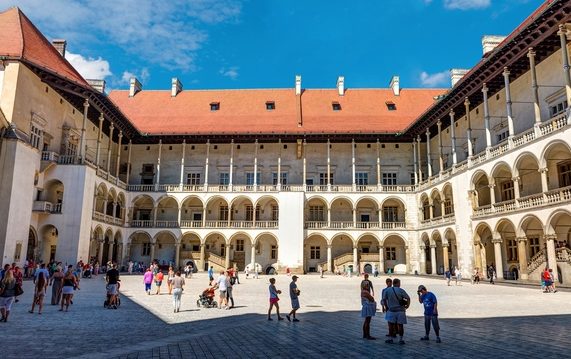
165	248
315	249
32	250
140	248
240	251
190	250
395	254
266	246
342	253
48	251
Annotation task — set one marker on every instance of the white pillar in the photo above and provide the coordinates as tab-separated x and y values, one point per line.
256	165
378	164
279	174
440	157
206	165
118	154
498	257
84	124
534	89
419	159
99	135
487	118
516	187
177	255
544	182
381	260
415	163
128	162
231	171
253	257
433	258
492	193
354	183
304	179
355	260
509	113
329	259
453	138
522	257
182	164
422	260
551	257
428	159
158	181
565	57
109	147
328	165
469	130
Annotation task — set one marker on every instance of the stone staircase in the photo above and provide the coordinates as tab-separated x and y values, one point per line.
216	261
346	258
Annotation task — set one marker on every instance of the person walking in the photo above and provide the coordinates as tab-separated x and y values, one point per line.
294	296
368	309
39	293
458	275
491	274
7	294
230	281
222	286
178	286
384	304
170	277
397	301
18	276
320	269
112	278
428	300
148	280
159	276
56	281
448	276
211	273
130	267
69	285
274	299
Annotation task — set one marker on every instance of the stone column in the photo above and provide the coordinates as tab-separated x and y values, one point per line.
453	138
516	187
82	139
181	182
416	179
328	217
100	254
203	217
353	174
109	147
253	256
110	251
99	135
428	155
202	256
328	165
158	181
487	118
433	259
422	260
381	260
498	257
551	255
478	257
534	90
445	256
128	162
227	259
522	256
329	259
508	102
419	158
256	165
117	165
279	174
440	157
355	260
206	165
378	164
407	259
304	167
152	252
114	209
492	193
565	58
544	181
469	130
430	208
231	171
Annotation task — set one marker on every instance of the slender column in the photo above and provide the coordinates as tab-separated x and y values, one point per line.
181	183
110	147
508	102
158	181
227	259
498	257
82	139
202	256
354	218
415	162
492	193
99	135
304	167
128	162
407	258
522	256
353	165
204	217
279	165
433	258
378	164
440	157
328	165
445	257
428	155
206	165
356	260
329	259
152	252
516	187
253	257
117	165
419	158
328	217
100	254
231	171
381	259
422	260
453	138
487	118
177	255
534	89
544	182
431	208
551	258
256	166
565	57
478	256
469	130
110	251
114	211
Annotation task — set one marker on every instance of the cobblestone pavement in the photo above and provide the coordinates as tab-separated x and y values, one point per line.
476	321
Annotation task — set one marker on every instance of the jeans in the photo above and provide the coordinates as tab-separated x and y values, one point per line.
176	295
434	319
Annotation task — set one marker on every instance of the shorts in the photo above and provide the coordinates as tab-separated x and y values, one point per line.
295	303
396	317
274	300
148	286
112	289
6	303
222	293
548	283
158	283
67	290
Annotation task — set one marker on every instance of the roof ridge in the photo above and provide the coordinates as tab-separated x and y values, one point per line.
19	13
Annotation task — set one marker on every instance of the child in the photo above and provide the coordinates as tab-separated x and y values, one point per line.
274	299
430	303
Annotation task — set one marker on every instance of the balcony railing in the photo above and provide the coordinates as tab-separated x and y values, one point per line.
354	225
50	156
190	224
446	219
42	206
369	257
142	224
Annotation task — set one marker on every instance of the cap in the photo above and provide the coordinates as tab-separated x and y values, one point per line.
294	277
421	287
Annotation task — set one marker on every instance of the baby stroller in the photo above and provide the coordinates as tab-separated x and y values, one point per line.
206	299
108	298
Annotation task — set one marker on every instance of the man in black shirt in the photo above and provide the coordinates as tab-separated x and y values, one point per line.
112	278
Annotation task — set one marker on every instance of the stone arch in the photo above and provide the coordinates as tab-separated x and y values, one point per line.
139	247
556	159
191	211
395	253
526	170
167	211
315	253
100	198
165	248
555	145
33	245
342	245
190	250
242	210
481	191
49	242
509	251
502	175
217	209
367	212
53	193
266	252
142	210
437	200
448	198
450	238
342	209
316	211
121	203
394	211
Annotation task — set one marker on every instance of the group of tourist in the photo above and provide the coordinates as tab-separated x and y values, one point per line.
294	293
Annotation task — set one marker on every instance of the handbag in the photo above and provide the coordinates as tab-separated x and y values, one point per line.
402	301
18	290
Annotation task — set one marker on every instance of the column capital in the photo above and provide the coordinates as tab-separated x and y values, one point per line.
439	123
506	72
516	179
120	133
445	245
497	240
485	88
531	53
86	103
433	246
101	118
452	113
562	30
422	246
521	239
466	101
491	185
550	237
111	127
427	132
543	170
418	138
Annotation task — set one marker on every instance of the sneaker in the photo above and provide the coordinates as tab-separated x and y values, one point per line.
389	341
270	319
425	338
280	318
438	340
401	342
288	318
295	320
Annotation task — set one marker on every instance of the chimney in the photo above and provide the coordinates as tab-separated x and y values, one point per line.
60	45
134	86
395	85
490	42
98	85
298	84
456	75
341	85
176	87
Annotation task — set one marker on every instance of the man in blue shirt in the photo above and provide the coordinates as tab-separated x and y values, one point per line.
430	304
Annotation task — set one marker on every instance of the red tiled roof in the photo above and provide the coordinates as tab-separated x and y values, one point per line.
244	111
20	39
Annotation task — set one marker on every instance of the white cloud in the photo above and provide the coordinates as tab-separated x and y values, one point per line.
166	33
435	80
142	76
89	68
466	4
231	72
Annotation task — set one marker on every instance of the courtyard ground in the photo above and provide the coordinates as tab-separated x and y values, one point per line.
476	320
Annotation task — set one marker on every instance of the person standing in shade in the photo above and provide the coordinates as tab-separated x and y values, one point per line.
448	276
397	301
7	294
385	305
294	296
178	287
368	309
274	299
56	281
428	300
369	283
491	274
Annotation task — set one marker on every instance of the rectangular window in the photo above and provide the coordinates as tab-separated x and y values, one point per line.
502	136
512	250
336	106
250	178
390	214
558	108
507	191
146	250
17	252
193	178
323	179
270	105
283	179
362	178
223	213
275	213
316	214
274	253
239	245
412	178
224	178
534	247
448	207
215	106
389	178
223	250
315	252
36	137
564	170
391	253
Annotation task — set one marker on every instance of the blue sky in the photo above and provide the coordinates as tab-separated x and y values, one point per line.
212	44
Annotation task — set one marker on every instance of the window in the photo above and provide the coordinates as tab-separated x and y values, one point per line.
224	179
146	250
193	178
323	178
223	250
250	212
250	178
316	213
534	247
274	253
283	179
564	170
35	137
315	252
389	178
390	214
223	213
507	190
214	106
512	250
502	136
275	213
148	168
391	253
336	106
148	173
17	252
448	207
391	106
270	105
239	245
412	178
362	178
556	109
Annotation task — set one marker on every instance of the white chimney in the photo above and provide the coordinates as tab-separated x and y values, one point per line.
490	42
134	86
456	75
98	85
176	86
60	45
298	84
395	85
341	85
